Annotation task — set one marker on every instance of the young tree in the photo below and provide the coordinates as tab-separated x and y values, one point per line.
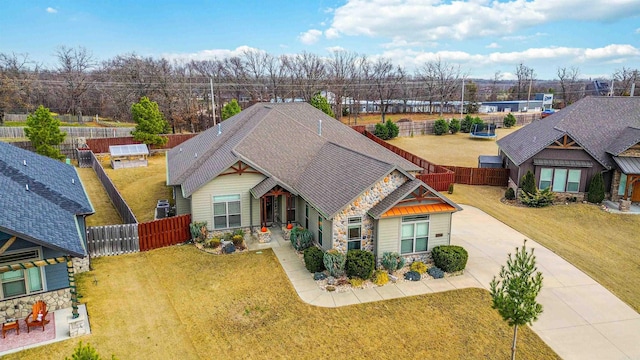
150	122
596	189
320	102
514	295
43	130
528	183
229	109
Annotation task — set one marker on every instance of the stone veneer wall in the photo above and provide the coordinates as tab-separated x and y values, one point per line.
81	265
19	308
359	207
615	184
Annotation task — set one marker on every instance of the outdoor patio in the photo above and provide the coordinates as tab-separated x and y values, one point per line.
56	330
612	207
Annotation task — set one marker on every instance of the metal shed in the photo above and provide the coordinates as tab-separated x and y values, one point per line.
489	161
128	156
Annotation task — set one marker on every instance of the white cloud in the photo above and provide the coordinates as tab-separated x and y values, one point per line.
331	33
493	45
51	10
310	37
209	54
459	19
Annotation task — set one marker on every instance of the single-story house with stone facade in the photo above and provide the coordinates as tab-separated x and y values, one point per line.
42	231
565	150
275	164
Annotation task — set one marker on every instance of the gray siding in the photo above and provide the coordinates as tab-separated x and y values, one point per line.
183	205
388	233
202	199
56	275
567	154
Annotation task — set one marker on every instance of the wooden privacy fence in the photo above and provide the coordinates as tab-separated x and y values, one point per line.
67	149
480	176
100	146
164	232
112	240
129	238
72	131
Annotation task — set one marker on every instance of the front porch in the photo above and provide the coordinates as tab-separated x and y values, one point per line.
57	330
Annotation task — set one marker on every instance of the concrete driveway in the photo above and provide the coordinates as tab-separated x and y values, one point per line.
581	319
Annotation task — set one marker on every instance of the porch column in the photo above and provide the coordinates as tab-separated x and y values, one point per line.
72	287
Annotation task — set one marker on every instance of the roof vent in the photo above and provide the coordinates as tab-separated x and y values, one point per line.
73	181
27	187
196	155
219	129
180	149
24	162
320	127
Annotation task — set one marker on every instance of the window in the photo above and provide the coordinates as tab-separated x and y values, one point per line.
415	234
354	232
623	184
20	282
306	216
291	209
226	211
560	180
320	230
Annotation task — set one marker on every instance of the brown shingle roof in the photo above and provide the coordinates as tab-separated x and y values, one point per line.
283	142
595	123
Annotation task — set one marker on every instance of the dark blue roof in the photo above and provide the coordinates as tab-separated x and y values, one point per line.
45	213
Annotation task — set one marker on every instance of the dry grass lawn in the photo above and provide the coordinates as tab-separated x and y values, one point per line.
105	213
181	303
459	149
141	187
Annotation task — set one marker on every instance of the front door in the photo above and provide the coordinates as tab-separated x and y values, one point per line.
635	195
269	202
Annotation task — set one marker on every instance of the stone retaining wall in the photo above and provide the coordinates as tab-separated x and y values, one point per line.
81	265
19	308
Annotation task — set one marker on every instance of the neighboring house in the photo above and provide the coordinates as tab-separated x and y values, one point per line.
44	206
285	163
565	150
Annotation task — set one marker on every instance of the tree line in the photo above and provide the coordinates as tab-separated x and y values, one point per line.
79	84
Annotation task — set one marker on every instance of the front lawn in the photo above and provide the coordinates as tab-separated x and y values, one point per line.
181	303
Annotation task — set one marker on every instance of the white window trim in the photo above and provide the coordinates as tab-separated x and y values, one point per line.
414	222
26	274
213	214
355	224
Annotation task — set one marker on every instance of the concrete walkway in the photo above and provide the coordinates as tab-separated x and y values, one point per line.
581	319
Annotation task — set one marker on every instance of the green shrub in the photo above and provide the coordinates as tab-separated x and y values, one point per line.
392	261
381	131
528	183
301	238
85	352
450	191
596	189
538	199
450	258
380	277
510	194
334	262
412	276
509	120
419	267
392	129
440	127
435	272
356	282
313	259
454	126
466	125
198	230
360	263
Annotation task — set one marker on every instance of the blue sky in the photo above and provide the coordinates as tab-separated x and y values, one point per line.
482	36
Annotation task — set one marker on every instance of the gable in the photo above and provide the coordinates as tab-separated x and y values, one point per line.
565	142
411	198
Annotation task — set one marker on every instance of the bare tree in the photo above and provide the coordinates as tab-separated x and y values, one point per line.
497	77
341	75
623	79
384	82
18	76
308	73
211	70
446	80
568	84
74	65
255	70
525	76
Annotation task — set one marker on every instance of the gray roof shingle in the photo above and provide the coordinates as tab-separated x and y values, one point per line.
282	140
46	213
598	124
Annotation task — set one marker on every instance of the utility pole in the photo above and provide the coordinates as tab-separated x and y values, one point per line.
529	95
213	102
462	103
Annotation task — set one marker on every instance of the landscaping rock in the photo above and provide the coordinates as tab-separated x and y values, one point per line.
393	278
330	288
319	276
331	280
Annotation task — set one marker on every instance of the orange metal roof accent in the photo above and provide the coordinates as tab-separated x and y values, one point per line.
418	209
